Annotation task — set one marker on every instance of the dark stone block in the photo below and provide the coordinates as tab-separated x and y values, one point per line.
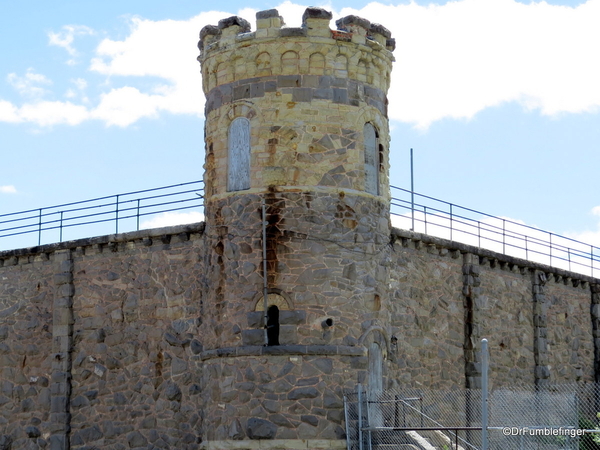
352	20
339	82
325	365
253	337
119	399
311	420
325	81
323	94
209	30
377	28
172	392
340	95
316	13
302	95
289	81
260	429
271	86
235	21
257	90
303	392
267	14
90	434
32	432
292	32
287	317
196	347
136	439
256	319
241	92
311	81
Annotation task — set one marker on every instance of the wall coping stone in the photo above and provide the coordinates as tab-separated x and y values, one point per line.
273	444
398	233
194	228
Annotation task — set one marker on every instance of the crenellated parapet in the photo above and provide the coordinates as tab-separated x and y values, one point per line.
305	96
357	50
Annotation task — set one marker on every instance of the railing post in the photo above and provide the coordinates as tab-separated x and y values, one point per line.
479	234
117	215
550	249
138	216
61	223
504	236
40	228
450	221
526	249
425	217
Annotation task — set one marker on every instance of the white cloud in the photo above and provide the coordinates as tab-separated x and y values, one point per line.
47	113
10	189
172	218
453	60
65	38
456	59
30	84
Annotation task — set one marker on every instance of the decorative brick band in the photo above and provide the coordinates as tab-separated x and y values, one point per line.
304	88
255	350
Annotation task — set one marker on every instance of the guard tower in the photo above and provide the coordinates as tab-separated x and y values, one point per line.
297	223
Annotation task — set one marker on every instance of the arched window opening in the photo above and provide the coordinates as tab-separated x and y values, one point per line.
273	325
371	149
238	157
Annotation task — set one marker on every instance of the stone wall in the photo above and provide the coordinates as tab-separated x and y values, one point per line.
110	342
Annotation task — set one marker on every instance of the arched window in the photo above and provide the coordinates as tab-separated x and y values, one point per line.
371	159
273	325
238	157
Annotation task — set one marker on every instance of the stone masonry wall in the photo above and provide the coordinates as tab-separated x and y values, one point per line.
102	340
27	295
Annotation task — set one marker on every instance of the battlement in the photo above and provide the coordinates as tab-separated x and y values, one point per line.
358	49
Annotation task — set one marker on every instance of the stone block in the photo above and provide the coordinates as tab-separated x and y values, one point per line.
260	429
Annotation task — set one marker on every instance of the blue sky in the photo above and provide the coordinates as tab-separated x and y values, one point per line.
499	99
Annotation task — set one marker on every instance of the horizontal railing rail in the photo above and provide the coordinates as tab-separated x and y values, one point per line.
102	215
436	217
409	210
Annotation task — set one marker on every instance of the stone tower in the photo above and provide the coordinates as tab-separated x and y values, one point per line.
297	208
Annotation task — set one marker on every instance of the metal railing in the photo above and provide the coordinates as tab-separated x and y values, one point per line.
438	218
409	210
98	216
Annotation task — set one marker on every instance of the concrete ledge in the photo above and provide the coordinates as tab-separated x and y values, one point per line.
273	444
255	350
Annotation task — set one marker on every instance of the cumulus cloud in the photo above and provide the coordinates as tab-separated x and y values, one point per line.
66	37
10	189
29	85
453	61
456	59
172	218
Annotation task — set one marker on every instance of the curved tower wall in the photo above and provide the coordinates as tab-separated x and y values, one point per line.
296	118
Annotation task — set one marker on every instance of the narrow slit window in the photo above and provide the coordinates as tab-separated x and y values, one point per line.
273	325
371	159
238	157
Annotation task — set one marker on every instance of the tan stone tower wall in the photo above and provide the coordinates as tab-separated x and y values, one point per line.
295	118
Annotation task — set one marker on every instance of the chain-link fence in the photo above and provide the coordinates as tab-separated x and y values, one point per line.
553	417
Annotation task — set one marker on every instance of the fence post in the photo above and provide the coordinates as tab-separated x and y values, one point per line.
360	425
347	423
484	394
